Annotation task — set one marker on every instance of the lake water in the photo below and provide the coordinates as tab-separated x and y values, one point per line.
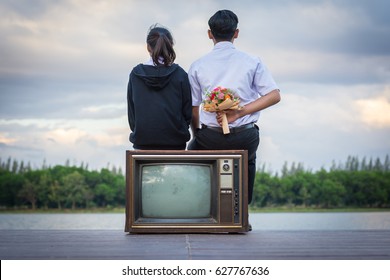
259	221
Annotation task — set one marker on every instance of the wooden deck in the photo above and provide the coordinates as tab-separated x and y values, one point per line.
258	244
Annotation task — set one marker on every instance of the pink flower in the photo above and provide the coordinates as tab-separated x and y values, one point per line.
221	96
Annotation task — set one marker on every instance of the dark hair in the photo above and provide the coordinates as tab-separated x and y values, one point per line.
223	24
160	41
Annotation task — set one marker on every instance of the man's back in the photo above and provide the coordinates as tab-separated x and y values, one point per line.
230	68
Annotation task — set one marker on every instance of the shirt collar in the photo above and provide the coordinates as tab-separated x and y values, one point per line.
151	62
224	45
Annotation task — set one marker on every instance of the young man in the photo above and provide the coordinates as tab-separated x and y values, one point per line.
246	75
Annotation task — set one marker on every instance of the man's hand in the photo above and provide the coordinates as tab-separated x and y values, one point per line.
261	103
231	116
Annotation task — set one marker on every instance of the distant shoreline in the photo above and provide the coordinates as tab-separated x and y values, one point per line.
299	209
280	209
62	211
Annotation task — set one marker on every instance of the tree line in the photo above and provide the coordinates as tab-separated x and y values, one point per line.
363	183
59	187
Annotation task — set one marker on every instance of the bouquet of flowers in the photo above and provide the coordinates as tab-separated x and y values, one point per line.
220	99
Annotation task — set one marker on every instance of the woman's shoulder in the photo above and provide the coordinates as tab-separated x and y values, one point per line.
136	68
179	69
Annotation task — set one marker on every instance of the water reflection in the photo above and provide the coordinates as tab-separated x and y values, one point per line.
322	221
259	221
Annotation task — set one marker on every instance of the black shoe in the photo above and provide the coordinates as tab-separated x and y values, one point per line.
249	227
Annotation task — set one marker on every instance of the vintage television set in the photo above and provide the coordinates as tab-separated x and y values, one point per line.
186	191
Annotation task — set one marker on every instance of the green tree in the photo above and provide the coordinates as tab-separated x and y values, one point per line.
120	190
76	188
105	194
331	193
262	189
10	185
44	188
29	192
56	194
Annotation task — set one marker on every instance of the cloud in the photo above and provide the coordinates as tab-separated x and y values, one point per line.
104	111
65	65
375	112
347	27
65	136
326	68
316	124
5	139
96	142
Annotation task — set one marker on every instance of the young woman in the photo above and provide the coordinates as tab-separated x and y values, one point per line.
159	97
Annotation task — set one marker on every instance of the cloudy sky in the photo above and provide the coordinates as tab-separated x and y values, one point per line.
64	69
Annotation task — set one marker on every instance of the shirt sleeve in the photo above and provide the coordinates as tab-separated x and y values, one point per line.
195	87
263	80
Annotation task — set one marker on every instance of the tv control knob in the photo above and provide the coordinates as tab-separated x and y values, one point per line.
226	167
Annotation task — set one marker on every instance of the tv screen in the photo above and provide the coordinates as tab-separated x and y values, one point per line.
176	191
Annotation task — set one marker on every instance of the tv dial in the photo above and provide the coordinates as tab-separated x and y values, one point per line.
226	167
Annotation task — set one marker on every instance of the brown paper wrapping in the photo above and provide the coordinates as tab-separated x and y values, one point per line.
228	104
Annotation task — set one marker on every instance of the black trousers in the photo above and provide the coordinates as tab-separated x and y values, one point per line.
249	139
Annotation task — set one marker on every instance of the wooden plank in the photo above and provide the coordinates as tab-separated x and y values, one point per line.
271	245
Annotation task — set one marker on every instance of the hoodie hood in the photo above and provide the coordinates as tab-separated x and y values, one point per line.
155	76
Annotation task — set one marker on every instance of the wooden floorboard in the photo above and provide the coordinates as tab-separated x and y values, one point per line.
258	244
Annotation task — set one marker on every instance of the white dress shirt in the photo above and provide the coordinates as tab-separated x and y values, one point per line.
228	67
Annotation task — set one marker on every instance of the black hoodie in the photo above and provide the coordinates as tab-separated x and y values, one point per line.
159	107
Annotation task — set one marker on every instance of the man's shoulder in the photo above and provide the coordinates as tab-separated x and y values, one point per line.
202	59
247	56
236	53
